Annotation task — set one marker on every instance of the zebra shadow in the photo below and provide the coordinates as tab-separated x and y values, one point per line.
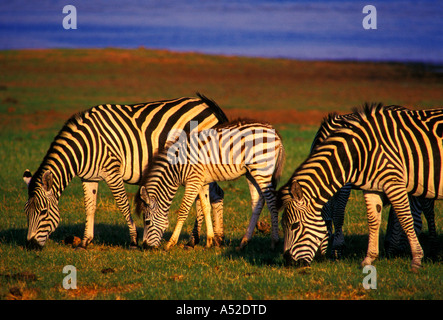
14	236
104	234
258	251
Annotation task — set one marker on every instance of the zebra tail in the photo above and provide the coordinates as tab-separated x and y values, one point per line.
279	166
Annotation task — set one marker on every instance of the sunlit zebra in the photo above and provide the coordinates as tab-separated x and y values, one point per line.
334	210
108	142
225	152
381	151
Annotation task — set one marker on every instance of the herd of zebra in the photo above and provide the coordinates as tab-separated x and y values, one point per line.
393	154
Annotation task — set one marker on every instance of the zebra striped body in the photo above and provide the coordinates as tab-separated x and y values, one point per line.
386	152
112	143
225	152
334	209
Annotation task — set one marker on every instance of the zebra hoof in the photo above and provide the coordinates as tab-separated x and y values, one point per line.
243	243
274	243
193	241
218	241
209	242
169	245
336	254
367	262
416	266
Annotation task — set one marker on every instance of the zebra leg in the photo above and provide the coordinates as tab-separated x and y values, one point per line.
374	206
271	201
428	211
191	191
396	193
396	240
340	199
206	207
195	237
115	184
90	190
216	196
257	203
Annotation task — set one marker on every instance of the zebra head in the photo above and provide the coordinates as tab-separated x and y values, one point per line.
304	229
41	209
155	219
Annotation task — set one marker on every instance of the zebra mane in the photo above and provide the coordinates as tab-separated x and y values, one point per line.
36	177
368	108
241	122
214	107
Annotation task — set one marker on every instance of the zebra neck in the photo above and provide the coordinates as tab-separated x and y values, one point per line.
61	163
326	170
163	183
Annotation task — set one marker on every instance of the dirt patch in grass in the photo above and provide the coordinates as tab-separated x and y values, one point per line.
89	292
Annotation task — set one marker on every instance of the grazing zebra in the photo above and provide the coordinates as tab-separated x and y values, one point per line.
111	143
225	152
333	211
381	151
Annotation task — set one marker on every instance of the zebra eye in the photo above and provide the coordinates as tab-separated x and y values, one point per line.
147	222
295	226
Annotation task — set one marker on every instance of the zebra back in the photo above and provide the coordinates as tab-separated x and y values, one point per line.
112	143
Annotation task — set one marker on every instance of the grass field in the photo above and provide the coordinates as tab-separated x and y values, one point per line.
40	89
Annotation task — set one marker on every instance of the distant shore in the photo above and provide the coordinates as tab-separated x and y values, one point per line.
50	84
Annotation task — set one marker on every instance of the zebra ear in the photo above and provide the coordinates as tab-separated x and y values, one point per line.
27	176
47	181
296	191
144	195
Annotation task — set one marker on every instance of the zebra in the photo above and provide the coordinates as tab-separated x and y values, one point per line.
225	152
333	211
111	143
374	153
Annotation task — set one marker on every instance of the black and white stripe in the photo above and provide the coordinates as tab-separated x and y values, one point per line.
108	142
381	151
333	211
225	152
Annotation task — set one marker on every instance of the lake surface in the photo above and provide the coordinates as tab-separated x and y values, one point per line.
329	30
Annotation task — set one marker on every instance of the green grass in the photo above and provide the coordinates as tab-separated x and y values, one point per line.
216	273
65	81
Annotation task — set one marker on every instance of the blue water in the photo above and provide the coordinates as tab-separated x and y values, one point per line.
331	30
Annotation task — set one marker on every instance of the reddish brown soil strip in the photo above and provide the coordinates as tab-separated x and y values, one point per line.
310	117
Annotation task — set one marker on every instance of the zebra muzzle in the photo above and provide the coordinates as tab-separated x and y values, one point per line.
289	261
33	244
146	246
